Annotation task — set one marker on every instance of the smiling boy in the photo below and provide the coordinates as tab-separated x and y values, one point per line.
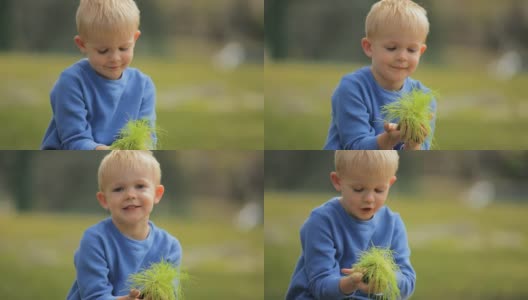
127	242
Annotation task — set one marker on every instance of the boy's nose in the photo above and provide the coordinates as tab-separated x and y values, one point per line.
115	56
369	198
131	194
401	56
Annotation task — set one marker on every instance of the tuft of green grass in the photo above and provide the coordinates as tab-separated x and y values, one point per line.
136	135
158	282
379	272
413	110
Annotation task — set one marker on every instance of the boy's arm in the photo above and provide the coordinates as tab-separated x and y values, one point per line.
92	270
406	276
351	117
148	106
69	113
322	270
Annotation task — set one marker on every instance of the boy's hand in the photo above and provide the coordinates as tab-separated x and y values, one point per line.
133	295
391	136
102	147
353	281
411	145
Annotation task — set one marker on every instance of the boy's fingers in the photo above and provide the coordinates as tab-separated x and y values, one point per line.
356	276
134	294
347	271
390	127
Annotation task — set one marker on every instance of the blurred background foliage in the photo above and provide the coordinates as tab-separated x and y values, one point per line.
166	26
476	61
205	58
463	210
213	203
313	30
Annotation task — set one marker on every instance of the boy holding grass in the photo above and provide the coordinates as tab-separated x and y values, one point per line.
95	97
396	31
127	242
339	231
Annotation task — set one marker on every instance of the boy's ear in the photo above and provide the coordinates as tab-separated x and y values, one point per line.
80	43
102	200
336	181
158	193
137	35
392	180
423	48
367	46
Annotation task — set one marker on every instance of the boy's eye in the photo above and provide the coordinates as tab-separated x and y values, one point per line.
102	51
358	190
378	191
391	48
117	189
411	50
123	49
140	186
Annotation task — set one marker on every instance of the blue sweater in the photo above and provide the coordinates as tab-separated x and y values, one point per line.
331	240
89	110
106	258
356	111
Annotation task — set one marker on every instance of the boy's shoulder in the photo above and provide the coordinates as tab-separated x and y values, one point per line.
163	235
98	230
328	209
360	76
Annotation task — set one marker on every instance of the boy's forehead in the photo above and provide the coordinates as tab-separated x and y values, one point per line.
396	35
109	39
359	177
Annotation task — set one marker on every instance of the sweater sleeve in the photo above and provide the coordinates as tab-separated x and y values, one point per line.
148	106
352	119
322	270
406	276
70	113
92	270
427	144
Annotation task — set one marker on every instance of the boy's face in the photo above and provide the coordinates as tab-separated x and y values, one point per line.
362	196
108	56
395	56
130	194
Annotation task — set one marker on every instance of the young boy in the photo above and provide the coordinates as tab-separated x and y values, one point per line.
337	232
127	242
94	98
396	31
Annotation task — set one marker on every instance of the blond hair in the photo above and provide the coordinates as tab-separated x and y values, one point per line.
382	163
104	17
401	14
125	160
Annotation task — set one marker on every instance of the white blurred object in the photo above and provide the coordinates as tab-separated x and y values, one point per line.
508	65
480	194
249	216
230	57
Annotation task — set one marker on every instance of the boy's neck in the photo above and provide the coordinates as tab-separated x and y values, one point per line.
138	231
387	85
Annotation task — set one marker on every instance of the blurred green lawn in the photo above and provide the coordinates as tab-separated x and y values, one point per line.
198	106
36	256
457	253
475	111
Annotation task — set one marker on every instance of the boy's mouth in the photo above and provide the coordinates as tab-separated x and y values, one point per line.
131	207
